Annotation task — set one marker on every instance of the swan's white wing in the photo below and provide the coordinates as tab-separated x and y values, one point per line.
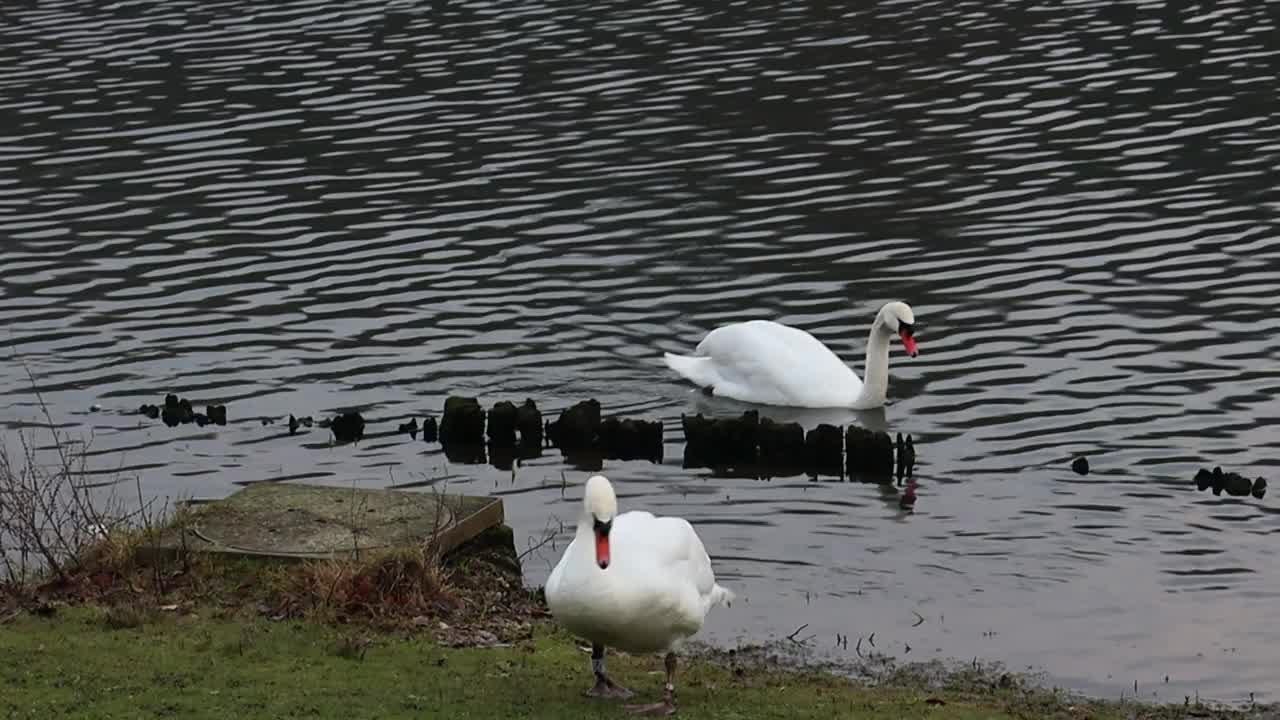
769	363
669	548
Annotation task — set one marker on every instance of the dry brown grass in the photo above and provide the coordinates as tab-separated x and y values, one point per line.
391	586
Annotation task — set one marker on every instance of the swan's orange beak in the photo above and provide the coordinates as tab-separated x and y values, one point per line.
602	543
908	341
602	550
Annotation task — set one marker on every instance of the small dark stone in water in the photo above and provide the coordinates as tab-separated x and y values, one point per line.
577	427
1259	487
502	424
348	427
1080	465
410	427
430	430
200	419
529	423
1204	479
150	411
462	422
217	414
293	424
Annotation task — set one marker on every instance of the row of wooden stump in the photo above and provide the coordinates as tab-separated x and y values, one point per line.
748	443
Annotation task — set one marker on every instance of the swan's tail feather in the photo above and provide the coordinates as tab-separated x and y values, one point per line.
700	371
722	596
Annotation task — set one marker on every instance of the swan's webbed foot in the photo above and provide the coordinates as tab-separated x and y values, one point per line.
668	704
666	707
605	687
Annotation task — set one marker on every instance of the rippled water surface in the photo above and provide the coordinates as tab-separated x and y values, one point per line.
315	206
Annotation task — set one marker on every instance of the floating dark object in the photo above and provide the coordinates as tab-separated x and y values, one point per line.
200	419
293	424
217	414
347	427
781	446
269	421
1237	485
721	443
502	424
1259	487
1234	484
462	422
1080	465
529	423
151	411
577	426
176	411
626	439
410	427
824	447
869	454
430	431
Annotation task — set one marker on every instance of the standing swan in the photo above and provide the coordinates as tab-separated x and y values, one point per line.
761	361
634	581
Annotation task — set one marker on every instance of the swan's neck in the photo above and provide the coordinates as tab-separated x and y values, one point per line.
586	530
875	379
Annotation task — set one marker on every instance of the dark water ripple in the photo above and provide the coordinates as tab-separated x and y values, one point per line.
309	206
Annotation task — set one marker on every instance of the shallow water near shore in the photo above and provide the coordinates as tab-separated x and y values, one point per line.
312	207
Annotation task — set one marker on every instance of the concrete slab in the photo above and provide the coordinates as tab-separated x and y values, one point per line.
297	521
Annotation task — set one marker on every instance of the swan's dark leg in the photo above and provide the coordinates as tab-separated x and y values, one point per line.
668	704
605	687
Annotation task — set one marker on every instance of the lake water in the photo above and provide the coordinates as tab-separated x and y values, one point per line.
316	206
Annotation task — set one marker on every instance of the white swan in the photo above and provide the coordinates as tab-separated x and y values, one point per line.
635	582
764	362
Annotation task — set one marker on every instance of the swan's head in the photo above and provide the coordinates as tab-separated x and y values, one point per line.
896	317
601	506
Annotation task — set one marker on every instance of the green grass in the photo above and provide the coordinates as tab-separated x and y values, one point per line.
83	664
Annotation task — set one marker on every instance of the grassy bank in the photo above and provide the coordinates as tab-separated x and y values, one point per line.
87	662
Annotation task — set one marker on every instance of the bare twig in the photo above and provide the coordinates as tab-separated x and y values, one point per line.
548	538
792	636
